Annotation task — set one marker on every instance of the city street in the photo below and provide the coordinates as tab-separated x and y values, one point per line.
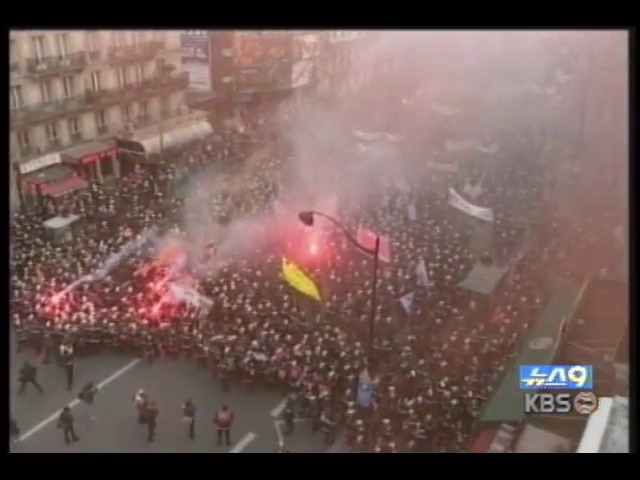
168	382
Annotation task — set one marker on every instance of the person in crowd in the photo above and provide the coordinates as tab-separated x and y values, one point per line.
68	364
66	424
140	403
14	433
189	417
150	416
29	375
288	415
87	398
223	421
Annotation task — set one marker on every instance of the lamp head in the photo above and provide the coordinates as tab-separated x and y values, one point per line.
306	218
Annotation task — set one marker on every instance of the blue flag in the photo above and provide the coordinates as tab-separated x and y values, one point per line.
365	394
407	301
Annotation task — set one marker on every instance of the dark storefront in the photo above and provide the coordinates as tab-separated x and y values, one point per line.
47	186
94	161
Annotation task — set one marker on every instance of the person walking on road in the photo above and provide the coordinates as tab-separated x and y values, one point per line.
87	397
65	422
224	421
189	417
14	434
151	419
288	416
68	363
29	374
140	401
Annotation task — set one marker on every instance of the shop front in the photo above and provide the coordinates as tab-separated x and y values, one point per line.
94	161
45	180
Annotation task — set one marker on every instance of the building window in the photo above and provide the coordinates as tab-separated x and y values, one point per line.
164	106
139	73
122	76
15	97
45	91
143	108
23	139
127	112
73	126
13	52
96	83
38	44
160	66
52	132
62	41
93	41
68	86
101	119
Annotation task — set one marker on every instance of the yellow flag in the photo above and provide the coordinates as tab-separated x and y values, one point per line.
298	280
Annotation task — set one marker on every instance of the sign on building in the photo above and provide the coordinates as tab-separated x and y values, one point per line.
196	59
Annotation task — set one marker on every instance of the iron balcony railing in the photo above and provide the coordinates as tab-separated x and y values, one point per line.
45	110
56	64
140	51
144	88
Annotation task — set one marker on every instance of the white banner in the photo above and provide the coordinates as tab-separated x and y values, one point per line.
376	136
458	202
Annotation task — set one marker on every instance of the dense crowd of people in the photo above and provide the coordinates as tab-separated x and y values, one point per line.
433	366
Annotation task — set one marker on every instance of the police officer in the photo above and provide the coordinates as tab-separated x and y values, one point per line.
68	362
140	400
65	422
151	418
288	416
189	417
87	398
224	421
29	374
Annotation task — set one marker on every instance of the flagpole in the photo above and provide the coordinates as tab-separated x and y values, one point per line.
374	288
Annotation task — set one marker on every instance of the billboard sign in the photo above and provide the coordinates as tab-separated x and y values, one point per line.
195	59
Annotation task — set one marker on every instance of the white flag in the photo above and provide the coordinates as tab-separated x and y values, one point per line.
422	277
407	302
411	212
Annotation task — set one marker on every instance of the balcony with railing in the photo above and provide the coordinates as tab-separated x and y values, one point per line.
46	110
56	64
141	51
148	87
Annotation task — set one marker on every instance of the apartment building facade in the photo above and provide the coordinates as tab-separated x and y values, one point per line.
346	62
73	94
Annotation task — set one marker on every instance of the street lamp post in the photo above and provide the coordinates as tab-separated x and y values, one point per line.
307	217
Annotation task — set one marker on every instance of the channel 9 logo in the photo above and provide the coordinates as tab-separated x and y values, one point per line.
556	377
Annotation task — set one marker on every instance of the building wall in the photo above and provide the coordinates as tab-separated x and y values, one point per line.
95	50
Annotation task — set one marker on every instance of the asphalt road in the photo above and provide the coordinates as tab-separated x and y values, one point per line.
168	382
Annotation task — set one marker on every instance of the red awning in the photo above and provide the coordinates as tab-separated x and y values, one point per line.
65	186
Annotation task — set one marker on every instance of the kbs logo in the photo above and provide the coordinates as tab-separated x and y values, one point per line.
584	403
557	377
